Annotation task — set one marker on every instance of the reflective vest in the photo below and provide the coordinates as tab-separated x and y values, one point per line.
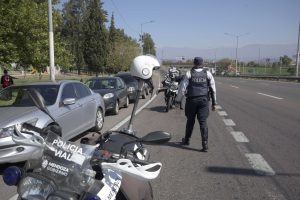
198	84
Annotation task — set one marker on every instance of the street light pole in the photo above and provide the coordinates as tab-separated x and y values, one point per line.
51	42
236	49
297	58
142	39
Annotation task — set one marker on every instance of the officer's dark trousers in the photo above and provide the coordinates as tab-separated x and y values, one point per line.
197	106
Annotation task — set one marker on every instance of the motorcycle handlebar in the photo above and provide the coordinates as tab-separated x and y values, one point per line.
32	128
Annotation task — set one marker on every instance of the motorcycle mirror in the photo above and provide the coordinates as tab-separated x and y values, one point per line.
156	137
39	101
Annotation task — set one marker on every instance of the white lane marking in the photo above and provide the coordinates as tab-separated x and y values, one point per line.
234	86
222	113
259	164
229	122
239	136
218	107
270	96
121	123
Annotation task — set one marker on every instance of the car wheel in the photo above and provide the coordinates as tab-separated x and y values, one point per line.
99	120
116	108
127	103
54	128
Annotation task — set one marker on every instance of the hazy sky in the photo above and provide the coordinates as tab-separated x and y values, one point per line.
202	23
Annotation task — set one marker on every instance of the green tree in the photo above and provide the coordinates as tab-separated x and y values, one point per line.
72	30
223	65
285	60
24	34
122	49
148	44
95	36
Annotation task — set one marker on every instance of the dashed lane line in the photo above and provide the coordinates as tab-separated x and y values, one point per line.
222	113
229	122
256	161
234	86
239	136
218	107
267	95
259	164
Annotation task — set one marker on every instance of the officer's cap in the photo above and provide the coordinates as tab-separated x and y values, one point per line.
198	61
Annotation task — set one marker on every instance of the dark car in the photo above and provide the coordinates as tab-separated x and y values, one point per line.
113	90
132	85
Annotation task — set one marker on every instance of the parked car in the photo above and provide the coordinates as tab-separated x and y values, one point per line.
132	85
73	105
113	90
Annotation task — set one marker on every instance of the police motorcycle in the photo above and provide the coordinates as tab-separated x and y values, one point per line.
170	87
64	170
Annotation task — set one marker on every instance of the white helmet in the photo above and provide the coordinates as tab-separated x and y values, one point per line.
143	66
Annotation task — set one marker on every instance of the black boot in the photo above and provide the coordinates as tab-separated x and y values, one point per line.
185	141
204	146
204	137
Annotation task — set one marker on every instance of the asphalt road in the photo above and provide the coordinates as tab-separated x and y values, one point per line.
253	144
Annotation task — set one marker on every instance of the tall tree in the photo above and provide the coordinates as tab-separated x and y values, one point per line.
24	34
72	30
148	44
95	36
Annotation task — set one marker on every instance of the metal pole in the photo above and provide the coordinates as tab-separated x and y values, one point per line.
51	42
236	54
237	46
142	40
297	58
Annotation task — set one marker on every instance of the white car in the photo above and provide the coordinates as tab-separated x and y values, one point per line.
73	105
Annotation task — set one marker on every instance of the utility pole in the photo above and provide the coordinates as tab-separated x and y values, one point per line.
51	42
297	58
236	50
142	35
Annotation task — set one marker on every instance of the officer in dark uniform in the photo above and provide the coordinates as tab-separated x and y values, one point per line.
198	84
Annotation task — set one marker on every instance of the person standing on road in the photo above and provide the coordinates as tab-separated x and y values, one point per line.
198	84
6	80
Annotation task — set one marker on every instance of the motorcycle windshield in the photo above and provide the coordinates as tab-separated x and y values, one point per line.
66	163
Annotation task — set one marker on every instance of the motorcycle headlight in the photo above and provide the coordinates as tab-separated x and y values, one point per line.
131	89
108	96
35	189
6	132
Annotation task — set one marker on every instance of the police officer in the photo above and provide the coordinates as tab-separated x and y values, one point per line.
197	85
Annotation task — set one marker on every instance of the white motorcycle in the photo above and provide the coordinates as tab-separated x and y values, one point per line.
116	168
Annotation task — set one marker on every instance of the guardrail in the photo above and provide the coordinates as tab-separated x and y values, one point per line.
273	78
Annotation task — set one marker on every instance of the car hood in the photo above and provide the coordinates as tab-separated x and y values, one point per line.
105	91
9	114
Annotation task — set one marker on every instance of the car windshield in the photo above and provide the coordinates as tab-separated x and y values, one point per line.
102	84
18	97
127	78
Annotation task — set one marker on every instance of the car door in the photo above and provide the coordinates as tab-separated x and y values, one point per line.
122	91
69	115
89	106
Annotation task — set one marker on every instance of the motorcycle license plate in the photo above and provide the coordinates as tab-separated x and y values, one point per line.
112	183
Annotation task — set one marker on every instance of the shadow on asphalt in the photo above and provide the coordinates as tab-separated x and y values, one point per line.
244	171
161	109
180	146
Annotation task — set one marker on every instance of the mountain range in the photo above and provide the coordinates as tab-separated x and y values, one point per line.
254	52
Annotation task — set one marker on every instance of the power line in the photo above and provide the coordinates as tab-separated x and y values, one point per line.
119	13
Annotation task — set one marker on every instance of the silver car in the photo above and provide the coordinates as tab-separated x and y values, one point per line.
73	105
